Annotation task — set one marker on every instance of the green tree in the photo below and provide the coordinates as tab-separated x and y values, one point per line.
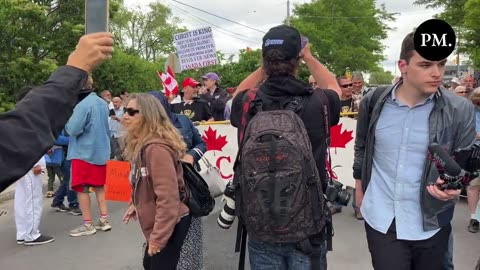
149	33
463	16
36	36
344	33
381	77
231	72
127	72
472	35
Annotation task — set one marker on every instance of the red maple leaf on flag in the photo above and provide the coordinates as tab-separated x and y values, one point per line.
339	139
213	142
169	82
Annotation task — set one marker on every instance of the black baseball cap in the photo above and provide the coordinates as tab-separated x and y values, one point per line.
284	38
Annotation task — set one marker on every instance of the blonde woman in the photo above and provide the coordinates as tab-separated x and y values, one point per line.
154	147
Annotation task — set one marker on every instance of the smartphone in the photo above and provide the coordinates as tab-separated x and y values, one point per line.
96	16
304	41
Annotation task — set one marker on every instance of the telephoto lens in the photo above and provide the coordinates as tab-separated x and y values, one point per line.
227	216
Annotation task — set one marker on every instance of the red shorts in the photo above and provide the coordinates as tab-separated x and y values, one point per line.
86	175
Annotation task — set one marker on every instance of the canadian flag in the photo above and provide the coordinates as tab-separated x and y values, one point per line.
169	82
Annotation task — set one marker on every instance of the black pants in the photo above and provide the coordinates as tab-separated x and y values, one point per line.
167	258
389	253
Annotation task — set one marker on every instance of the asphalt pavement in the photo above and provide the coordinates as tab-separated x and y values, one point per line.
121	247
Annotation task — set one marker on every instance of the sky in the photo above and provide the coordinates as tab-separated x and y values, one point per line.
263	14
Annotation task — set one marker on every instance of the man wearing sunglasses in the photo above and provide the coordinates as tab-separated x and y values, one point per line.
346	98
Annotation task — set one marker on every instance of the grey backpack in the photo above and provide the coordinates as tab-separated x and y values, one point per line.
279	193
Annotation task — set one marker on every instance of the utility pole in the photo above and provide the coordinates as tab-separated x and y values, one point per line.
288	12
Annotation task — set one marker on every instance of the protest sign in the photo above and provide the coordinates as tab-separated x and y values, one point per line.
196	48
117	187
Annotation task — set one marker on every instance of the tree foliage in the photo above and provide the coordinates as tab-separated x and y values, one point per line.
127	72
344	34
149	33
34	37
381	77
463	16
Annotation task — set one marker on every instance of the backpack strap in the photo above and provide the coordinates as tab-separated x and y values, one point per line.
331	174
326	110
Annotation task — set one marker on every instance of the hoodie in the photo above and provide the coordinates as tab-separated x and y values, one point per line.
279	90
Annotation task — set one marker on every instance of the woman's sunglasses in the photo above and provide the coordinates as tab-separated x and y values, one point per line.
131	112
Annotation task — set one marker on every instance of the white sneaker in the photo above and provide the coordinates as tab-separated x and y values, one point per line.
85	229
104	225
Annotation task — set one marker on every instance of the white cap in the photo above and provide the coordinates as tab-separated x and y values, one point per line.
456	80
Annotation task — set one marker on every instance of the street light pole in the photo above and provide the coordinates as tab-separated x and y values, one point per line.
288	12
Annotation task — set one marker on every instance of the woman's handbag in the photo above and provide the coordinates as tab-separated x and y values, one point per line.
212	176
199	200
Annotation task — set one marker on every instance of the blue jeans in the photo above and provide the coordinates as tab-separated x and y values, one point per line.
268	256
64	188
448	260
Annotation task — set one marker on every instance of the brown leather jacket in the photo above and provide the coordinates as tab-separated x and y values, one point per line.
158	191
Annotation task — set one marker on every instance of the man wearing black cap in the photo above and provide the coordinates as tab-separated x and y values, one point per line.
215	96
282	52
195	109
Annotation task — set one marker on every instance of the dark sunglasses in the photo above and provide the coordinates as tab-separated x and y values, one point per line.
347	85
131	112
313	83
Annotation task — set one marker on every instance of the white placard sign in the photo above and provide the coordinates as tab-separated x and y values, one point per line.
196	48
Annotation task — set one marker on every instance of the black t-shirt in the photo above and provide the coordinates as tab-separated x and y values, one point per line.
198	110
313	118
346	105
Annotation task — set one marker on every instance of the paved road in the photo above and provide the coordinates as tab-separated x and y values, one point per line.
121	248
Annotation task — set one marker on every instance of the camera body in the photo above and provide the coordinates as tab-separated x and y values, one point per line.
335	193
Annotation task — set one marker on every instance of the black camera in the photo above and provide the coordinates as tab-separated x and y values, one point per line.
336	194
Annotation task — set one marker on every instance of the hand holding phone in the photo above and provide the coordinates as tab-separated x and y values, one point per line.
96	16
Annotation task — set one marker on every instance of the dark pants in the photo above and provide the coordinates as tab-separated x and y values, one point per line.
167	258
115	151
389	253
53	170
64	188
448	260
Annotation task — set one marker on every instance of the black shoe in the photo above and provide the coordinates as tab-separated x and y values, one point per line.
473	226
42	239
75	211
60	208
20	241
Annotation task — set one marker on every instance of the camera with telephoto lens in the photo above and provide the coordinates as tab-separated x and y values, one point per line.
336	194
227	216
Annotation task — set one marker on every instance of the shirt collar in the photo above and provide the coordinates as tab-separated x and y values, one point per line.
393	96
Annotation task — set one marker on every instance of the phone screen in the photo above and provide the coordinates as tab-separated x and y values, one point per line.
96	16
